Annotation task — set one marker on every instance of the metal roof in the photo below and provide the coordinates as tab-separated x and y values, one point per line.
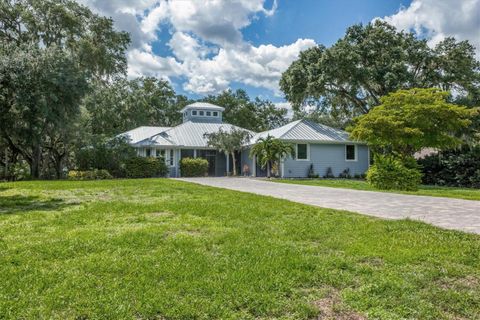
141	133
304	130
203	106
191	133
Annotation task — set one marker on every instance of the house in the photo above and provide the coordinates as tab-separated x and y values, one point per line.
315	144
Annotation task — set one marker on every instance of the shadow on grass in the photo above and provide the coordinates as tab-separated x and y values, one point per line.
18	204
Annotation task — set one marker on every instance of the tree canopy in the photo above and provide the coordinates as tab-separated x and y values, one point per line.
409	120
373	60
257	115
126	104
51	52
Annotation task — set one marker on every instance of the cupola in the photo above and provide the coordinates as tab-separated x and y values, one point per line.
202	112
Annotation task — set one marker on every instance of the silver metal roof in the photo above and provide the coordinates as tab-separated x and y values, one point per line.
203	106
191	133
141	133
304	130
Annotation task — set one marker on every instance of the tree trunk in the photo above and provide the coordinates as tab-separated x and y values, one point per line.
268	169
6	164
35	162
233	164
58	166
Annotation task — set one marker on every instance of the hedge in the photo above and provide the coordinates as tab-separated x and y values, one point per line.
89	175
190	167
453	168
145	167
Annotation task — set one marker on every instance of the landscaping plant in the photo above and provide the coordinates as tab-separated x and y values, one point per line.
146	167
270	150
193	167
390	173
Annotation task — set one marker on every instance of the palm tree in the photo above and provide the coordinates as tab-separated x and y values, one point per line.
268	150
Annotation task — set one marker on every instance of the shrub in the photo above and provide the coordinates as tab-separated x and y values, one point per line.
390	173
111	155
454	168
145	167
329	174
311	172
89	175
345	174
190	167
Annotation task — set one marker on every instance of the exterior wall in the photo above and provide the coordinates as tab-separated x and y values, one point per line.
324	156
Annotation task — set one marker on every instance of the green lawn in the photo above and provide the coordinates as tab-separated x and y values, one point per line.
434	191
164	249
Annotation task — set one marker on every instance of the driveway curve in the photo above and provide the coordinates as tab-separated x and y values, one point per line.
446	213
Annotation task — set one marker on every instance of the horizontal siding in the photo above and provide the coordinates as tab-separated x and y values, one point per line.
324	156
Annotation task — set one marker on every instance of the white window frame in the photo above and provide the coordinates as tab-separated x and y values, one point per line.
194	112
208	113
355	148
308	152
201	113
215	113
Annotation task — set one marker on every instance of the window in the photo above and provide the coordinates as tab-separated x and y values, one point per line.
160	153
171	158
194	112
302	151
209	113
215	113
201	113
148	152
350	152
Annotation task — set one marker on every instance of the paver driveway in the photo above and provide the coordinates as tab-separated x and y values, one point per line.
443	212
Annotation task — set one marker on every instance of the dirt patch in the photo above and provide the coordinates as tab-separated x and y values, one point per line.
332	308
468	282
161	214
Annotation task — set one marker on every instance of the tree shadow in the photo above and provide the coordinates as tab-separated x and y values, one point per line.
21	204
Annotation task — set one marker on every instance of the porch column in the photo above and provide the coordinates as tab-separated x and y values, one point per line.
282	167
194	153
228	163
254	166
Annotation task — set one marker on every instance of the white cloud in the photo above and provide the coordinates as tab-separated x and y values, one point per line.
207	45
437	19
285	105
145	63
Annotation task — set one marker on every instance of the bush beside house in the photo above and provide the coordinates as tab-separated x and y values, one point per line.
190	167
149	167
389	173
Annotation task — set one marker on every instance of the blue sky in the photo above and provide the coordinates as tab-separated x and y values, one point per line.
206	46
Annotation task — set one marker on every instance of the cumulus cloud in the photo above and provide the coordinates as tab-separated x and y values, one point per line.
208	49
437	19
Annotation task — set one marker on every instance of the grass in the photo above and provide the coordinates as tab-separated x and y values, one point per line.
434	191
164	249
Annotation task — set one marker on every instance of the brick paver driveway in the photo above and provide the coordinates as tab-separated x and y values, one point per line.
443	212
